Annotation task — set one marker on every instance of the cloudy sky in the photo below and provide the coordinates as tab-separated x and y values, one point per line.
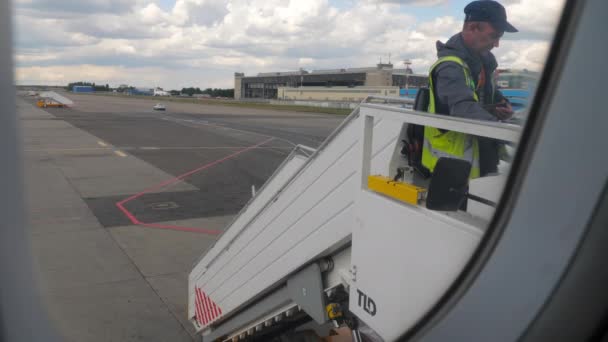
201	43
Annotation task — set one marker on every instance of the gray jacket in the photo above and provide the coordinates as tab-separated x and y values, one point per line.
454	97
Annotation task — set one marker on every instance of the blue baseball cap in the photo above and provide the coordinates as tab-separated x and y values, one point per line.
488	11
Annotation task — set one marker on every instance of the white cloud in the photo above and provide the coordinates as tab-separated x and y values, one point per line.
198	38
151	14
440	26
62	75
63	7
428	3
535	16
28	58
509	2
521	54
116	75
199	12
42	34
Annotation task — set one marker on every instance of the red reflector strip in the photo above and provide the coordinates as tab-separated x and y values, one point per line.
206	309
199	298
197	308
209	307
206	317
214	309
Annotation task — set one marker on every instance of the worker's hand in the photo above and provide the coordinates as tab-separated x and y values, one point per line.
505	111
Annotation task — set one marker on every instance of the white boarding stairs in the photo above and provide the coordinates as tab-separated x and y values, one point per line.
316	216
57	98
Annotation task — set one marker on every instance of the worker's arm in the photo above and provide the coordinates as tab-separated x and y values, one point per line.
451	89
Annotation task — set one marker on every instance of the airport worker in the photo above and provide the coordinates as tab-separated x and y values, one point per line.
461	84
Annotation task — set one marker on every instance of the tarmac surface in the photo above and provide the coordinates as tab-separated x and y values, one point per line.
123	200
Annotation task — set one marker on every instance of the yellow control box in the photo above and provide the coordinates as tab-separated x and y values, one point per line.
404	192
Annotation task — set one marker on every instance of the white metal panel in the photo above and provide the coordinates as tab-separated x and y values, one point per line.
227	238
291	229
279	222
290	198
338	229
405	259
496	130
290	167
314	208
305	201
264	194
383	146
489	188
219	269
56	97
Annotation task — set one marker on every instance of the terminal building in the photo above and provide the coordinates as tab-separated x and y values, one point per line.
332	85
339	93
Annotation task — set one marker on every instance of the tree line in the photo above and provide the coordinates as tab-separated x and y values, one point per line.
213	92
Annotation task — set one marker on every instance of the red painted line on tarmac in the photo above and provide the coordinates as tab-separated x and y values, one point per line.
131	217
177	179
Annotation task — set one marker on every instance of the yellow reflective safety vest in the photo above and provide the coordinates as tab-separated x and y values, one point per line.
450	144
